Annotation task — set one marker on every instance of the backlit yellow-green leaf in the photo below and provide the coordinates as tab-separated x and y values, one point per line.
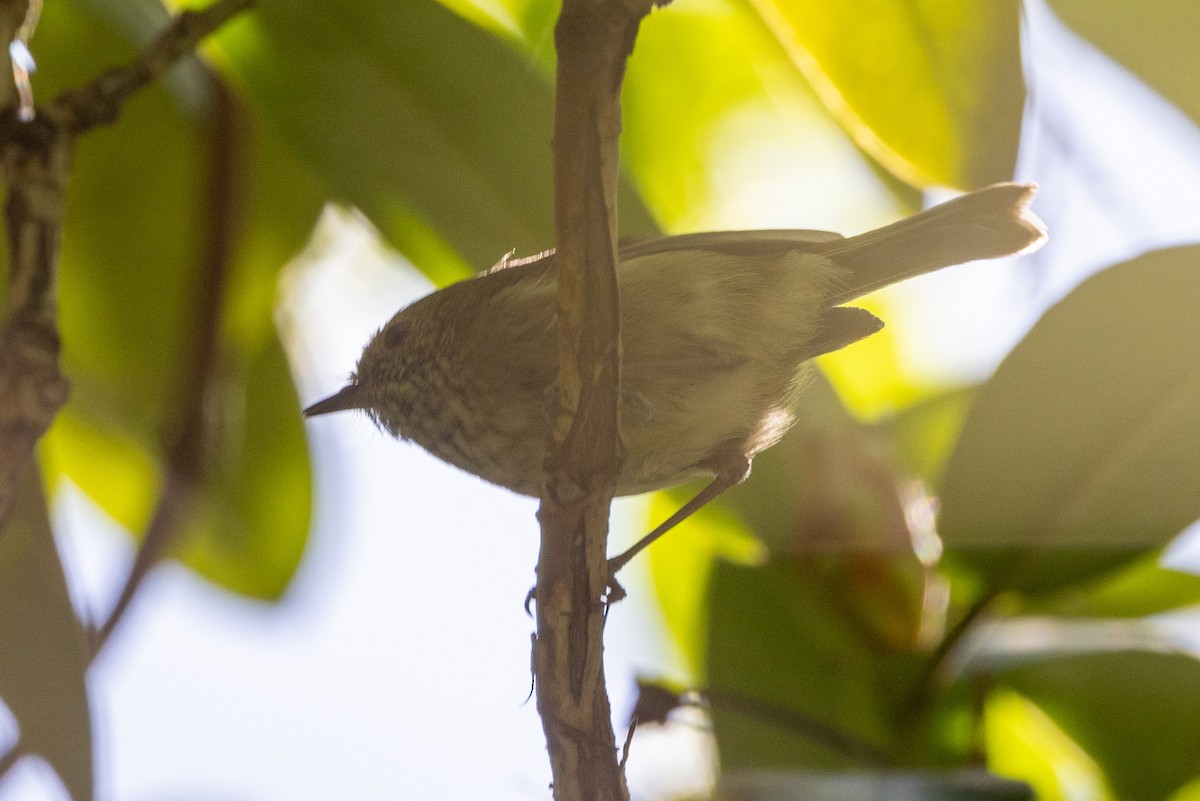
1134	713
720	132
1023	743
931	88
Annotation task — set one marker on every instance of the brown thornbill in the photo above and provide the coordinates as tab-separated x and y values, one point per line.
717	332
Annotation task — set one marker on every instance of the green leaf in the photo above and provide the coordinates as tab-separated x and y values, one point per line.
923	435
826	492
1144	587
130	236
681	565
1135	713
43	650
933	89
115	471
1190	792
410	113
778	649
1082	451
130	274
1023	743
1156	41
795	679
755	148
251	525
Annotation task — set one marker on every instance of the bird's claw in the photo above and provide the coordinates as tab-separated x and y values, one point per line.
614	592
530	597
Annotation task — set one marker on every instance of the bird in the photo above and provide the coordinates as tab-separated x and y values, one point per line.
718	332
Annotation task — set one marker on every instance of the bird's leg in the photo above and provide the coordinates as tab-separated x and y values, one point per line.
729	475
732	471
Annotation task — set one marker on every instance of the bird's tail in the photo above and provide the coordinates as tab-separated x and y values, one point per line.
986	224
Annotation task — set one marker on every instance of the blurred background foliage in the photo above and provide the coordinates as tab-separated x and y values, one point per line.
831	620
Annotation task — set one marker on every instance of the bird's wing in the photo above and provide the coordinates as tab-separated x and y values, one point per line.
733	243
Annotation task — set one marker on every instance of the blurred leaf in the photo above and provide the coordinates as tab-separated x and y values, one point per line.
1135	713
1144	587
1083	449
130	239
248	530
826	492
793	680
830	491
776	650
43	657
500	16
251	525
924	434
934	90
129	275
1023	743
1155	41
408	111
754	149
115	472
681	565
968	784
827	485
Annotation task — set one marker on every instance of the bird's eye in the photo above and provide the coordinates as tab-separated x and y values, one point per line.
395	334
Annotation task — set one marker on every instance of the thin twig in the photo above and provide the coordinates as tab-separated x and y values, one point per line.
633	724
187	450
172	505
834	739
100	102
10	758
935	666
37	158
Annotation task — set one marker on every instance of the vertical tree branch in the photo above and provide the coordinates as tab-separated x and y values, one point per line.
593	40
37	163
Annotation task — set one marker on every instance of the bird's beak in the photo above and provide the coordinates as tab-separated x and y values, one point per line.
349	397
